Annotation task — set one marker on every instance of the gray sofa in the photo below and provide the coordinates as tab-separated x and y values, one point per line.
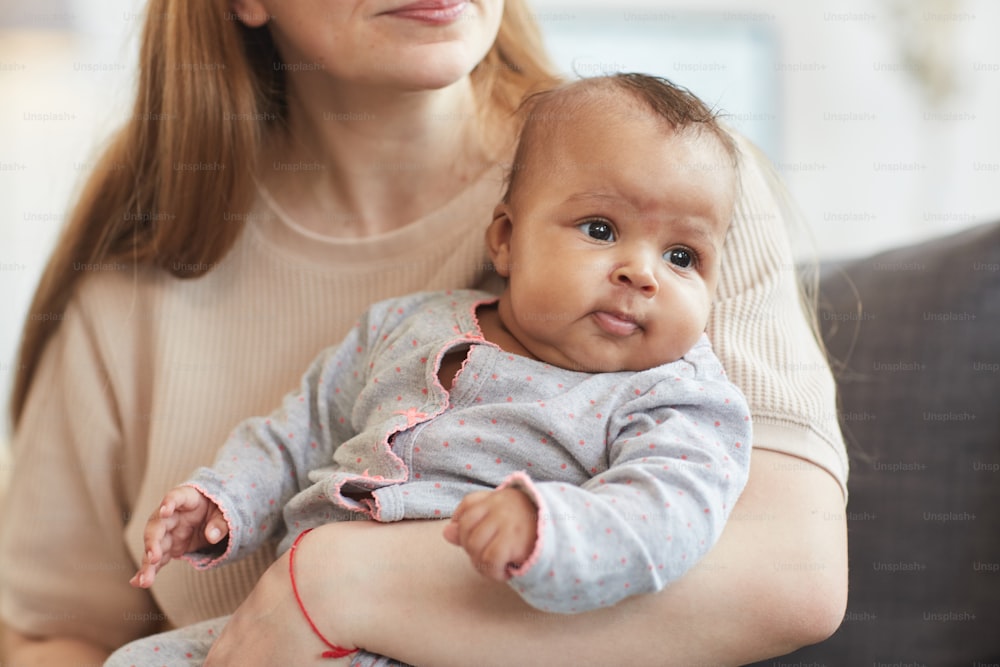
914	335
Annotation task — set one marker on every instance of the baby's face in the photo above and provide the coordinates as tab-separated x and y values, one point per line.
611	240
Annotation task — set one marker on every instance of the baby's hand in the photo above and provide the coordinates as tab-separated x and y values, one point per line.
185	521
496	529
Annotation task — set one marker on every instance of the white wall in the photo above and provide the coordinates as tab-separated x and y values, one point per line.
873	154
873	158
61	94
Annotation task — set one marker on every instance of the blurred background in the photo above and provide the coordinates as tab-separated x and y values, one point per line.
883	116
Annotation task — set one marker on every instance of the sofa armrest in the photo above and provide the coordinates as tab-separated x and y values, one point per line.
914	337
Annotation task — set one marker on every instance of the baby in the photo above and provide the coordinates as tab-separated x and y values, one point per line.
578	429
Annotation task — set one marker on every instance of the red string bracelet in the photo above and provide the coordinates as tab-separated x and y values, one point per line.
335	651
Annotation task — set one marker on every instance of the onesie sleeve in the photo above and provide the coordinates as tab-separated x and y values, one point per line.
678	460
267	460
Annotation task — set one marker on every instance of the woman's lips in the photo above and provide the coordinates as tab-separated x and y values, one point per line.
435	12
616	324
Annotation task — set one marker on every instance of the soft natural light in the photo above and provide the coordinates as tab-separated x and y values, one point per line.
882	120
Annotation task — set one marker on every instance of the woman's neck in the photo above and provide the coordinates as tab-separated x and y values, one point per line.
360	162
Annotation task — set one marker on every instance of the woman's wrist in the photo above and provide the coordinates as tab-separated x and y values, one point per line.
780	556
329	581
333	650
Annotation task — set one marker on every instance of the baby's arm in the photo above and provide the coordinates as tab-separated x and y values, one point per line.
185	521
496	528
266	460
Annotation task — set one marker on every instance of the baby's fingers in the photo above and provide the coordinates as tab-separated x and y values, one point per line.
181	499
452	531
152	561
495	557
144	577
153	540
216	527
466	516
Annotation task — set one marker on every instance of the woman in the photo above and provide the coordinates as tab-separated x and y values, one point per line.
288	164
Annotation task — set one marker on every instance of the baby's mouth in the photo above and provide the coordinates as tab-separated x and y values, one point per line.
616	324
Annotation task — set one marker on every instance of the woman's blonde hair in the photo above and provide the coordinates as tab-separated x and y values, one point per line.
209	97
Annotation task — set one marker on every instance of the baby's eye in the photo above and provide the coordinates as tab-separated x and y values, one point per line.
680	257
598	229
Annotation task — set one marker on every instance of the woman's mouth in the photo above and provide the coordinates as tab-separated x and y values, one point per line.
433	12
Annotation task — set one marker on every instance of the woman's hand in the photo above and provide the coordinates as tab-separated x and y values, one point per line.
776	580
270	629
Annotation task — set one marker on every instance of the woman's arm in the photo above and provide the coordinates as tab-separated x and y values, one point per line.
19	649
776	580
63	564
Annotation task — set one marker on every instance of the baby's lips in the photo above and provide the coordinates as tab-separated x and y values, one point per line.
615	324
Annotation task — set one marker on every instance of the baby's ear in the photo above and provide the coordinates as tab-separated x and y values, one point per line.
498	239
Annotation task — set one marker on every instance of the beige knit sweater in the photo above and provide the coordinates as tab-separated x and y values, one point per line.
148	374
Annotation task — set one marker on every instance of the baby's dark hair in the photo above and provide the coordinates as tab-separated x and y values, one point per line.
677	106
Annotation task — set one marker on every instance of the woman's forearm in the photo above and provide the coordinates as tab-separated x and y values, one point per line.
25	651
777	580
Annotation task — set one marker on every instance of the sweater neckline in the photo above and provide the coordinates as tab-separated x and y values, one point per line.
270	224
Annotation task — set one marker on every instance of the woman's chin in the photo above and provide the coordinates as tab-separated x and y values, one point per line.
430	65
417	76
